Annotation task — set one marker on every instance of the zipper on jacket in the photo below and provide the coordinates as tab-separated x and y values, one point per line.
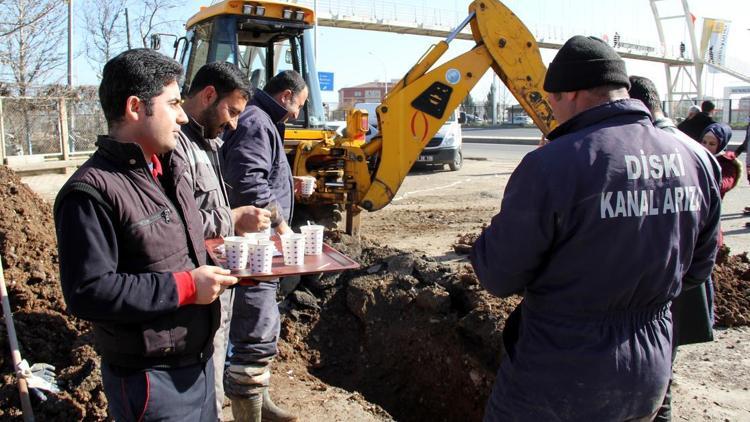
162	214
166	212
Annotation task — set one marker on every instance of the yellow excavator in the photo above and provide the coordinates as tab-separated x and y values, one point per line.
265	37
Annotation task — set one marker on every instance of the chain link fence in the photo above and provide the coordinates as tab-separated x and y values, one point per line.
37	125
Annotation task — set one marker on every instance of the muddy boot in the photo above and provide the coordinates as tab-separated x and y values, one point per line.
247	409
272	413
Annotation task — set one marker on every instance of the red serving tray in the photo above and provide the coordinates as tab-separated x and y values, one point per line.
330	260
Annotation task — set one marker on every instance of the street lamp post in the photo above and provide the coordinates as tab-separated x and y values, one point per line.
385	71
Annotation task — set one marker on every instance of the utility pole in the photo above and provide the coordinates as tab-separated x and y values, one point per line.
315	10
127	27
70	44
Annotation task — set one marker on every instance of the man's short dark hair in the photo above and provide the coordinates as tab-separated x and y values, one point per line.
225	77
707	106
287	79
644	89
139	72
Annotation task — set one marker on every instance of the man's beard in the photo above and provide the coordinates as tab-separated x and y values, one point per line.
211	126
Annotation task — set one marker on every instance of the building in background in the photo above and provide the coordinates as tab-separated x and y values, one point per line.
370	92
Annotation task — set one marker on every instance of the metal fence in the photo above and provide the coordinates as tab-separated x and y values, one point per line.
49	126
735	112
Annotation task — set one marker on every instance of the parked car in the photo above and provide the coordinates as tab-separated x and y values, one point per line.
445	147
466	118
521	119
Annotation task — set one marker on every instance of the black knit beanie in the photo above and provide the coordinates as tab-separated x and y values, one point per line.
585	62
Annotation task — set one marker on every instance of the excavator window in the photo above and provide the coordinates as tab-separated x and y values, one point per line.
261	49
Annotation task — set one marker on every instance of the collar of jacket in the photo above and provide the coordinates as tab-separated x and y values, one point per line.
197	133
267	103
130	155
127	154
599	113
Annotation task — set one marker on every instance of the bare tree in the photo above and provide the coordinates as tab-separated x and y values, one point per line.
152	16
9	25
104	30
32	52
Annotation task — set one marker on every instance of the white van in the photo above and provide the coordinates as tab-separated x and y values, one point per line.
445	146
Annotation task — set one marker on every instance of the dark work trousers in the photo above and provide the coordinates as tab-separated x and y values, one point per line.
254	334
179	395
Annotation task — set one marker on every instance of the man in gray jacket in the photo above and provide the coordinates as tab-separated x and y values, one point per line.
214	101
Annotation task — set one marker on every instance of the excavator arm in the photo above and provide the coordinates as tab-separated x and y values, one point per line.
424	99
412	113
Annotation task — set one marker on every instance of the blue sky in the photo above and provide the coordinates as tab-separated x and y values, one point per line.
361	56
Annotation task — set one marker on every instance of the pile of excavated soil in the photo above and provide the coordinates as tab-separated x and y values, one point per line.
731	278
415	336
732	284
45	332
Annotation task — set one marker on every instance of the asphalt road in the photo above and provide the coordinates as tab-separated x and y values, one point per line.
736	235
532	134
504	152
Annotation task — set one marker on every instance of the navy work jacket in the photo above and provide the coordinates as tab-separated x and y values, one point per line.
255	167
597	230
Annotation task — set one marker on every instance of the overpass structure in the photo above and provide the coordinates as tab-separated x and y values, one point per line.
683	69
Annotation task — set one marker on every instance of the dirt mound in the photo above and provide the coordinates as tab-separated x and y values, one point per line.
45	332
732	284
384	329
731	277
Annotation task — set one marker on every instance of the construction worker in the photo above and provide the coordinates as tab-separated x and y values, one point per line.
132	252
692	309
215	99
598	230
257	173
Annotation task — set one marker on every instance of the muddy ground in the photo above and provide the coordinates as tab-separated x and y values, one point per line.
410	336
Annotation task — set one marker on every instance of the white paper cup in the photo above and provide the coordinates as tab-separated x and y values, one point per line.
313	239
261	256
293	248
308	185
236	249
253	238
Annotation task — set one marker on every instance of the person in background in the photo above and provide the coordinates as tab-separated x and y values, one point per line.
715	139
214	101
692	309
692	111
131	251
694	126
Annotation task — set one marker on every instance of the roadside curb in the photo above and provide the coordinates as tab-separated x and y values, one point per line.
514	140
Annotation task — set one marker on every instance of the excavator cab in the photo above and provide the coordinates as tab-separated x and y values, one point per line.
262	38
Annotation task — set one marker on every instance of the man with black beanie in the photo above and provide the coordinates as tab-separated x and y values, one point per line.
597	230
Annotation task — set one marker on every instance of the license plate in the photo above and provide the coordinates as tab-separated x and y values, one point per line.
425	158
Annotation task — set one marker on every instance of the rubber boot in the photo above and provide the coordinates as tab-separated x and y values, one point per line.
273	413
247	409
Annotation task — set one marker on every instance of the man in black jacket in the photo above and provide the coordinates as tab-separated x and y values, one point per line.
694	126
131	251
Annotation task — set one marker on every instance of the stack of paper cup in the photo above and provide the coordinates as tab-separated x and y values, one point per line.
236	249
313	239
308	185
261	256
293	247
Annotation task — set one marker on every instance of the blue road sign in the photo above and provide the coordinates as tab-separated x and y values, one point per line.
326	81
